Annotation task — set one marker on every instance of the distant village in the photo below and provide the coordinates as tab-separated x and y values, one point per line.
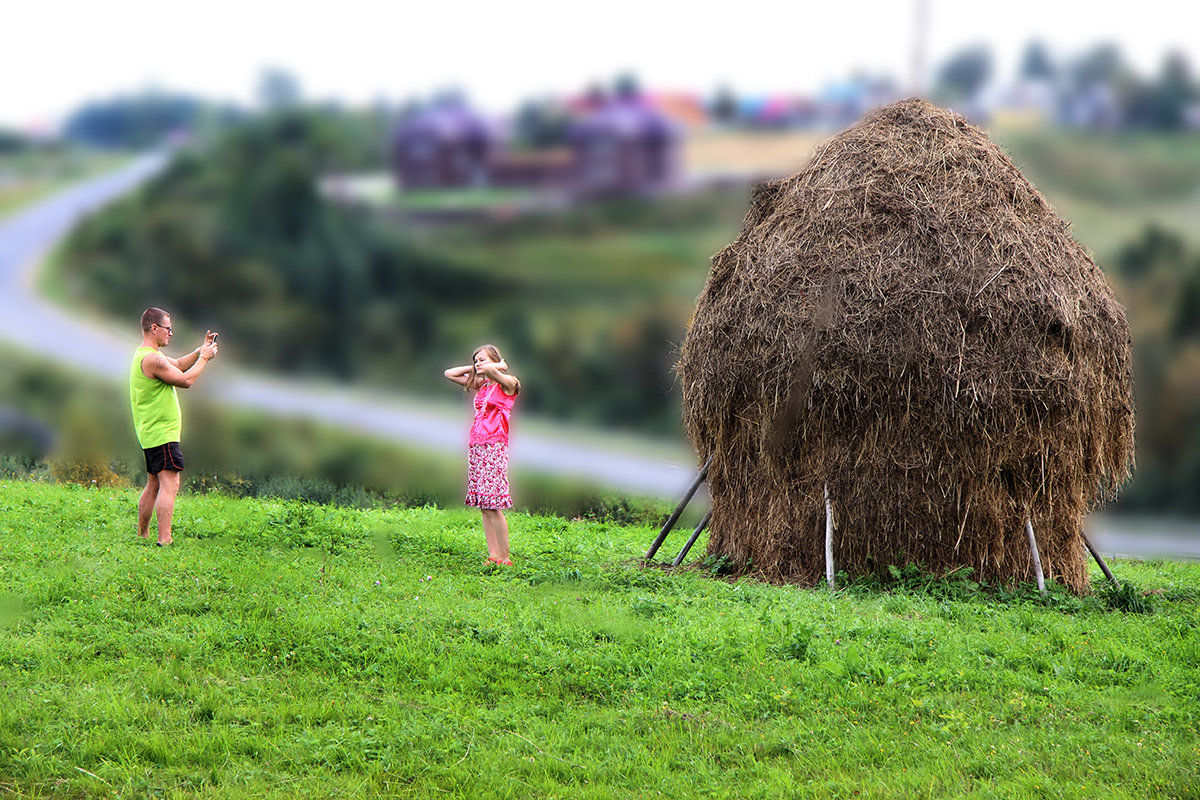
597	144
629	141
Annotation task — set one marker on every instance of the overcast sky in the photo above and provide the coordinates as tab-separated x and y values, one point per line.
55	54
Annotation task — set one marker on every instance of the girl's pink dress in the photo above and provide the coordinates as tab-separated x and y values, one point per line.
487	450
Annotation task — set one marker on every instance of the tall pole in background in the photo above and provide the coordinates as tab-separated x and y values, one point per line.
920	46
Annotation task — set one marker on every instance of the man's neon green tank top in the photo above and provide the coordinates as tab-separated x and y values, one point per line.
156	415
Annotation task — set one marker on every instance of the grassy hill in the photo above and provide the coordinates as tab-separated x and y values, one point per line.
283	649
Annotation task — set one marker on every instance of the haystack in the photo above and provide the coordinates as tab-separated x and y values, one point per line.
907	322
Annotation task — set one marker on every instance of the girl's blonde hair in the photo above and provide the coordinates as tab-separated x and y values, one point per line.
494	354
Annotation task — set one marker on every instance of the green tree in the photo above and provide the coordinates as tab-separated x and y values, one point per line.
1186	321
1154	249
1168	97
540	124
144	120
279	89
1036	64
964	73
627	85
1101	64
724	105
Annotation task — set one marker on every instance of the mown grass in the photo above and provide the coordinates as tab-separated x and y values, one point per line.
282	649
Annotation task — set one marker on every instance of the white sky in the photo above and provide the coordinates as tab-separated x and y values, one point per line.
55	54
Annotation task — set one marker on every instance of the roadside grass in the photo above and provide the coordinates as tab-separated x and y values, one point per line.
26	178
283	649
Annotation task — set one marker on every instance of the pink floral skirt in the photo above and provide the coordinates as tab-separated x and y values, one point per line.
487	476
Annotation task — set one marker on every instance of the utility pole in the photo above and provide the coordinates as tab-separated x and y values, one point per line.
920	46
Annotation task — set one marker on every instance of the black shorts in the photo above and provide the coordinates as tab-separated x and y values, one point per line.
164	456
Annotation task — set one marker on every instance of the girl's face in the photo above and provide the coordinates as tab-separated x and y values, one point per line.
482	359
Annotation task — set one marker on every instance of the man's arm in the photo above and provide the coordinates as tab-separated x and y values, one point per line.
156	365
184	363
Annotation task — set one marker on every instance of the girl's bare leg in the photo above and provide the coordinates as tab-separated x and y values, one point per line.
495	529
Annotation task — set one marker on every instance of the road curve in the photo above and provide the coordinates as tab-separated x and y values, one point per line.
656	469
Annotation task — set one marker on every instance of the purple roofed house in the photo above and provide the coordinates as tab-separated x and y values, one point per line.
622	147
625	147
448	145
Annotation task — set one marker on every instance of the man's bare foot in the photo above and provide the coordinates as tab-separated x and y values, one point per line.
143	534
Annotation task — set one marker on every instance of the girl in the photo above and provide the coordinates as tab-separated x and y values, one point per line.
487	462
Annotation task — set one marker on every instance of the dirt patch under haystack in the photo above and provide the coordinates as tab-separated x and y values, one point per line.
907	321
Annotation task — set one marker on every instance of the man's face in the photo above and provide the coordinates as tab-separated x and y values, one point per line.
161	332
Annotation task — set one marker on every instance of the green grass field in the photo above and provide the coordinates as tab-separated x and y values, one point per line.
292	650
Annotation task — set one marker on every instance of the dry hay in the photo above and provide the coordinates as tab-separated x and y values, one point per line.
909	321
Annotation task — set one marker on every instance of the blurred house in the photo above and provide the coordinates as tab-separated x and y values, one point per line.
1095	107
684	109
775	111
835	106
841	103
626	147
611	146
1024	104
546	168
447	145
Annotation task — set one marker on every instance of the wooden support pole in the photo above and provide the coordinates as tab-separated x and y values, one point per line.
1096	555
671	520
692	539
829	540
1037	559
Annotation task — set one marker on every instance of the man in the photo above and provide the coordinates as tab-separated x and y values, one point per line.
153	378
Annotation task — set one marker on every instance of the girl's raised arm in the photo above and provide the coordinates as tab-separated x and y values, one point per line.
459	375
498	372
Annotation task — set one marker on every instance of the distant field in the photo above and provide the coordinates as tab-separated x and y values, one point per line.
289	650
1112	185
773	153
1109	185
28	177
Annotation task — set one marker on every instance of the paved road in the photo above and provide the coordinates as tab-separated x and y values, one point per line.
661	469
627	464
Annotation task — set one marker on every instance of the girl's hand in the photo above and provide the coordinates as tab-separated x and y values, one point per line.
501	365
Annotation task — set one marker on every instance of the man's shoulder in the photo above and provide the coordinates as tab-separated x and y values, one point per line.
142	353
